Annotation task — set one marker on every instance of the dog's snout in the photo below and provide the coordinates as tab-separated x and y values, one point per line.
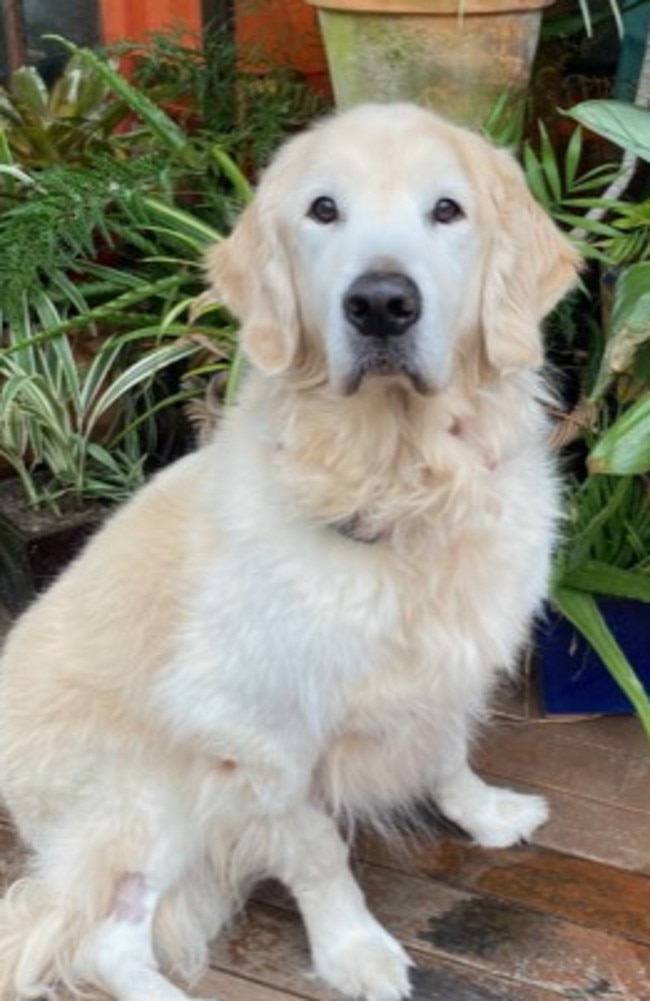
382	304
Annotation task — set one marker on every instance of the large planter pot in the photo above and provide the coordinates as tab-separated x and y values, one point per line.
35	545
573	679
459	57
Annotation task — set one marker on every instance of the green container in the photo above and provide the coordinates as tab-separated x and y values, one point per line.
427	51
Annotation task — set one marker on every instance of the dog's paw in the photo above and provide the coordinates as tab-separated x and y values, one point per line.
492	816
507	818
369	964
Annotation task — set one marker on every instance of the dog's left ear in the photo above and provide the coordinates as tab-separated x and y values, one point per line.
249	272
531	265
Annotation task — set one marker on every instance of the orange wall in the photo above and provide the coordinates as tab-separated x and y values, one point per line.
133	19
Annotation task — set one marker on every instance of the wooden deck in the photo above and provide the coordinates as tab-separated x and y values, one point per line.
565	918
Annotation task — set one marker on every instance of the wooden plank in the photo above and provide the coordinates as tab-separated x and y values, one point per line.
587	893
520	703
227	987
596	831
505	939
542	756
267	945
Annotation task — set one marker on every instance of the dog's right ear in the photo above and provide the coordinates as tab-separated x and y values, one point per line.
249	273
530	267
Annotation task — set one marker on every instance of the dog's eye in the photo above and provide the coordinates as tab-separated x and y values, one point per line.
323	210
446	210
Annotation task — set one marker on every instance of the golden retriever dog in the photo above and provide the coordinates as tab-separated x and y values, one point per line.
299	624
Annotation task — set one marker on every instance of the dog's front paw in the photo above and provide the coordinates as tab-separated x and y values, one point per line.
369	964
493	817
508	818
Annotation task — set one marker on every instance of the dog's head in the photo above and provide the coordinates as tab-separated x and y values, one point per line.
382	241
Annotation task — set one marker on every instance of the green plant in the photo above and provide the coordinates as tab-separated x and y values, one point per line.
246	114
71	428
69	123
606	546
104	259
86	350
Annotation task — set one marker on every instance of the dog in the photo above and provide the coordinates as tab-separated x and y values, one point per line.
299	624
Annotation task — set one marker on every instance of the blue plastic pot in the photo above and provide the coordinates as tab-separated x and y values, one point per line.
573	678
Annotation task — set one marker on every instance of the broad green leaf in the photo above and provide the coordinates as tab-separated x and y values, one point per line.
603	579
184	306
549	164
572	158
629	326
582	612
624	449
182	224
37	399
60	367
139	372
29	91
624	124
6	159
97	376
631	305
230	170
159	123
535	176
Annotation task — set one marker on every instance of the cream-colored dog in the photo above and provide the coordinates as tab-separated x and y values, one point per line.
300	622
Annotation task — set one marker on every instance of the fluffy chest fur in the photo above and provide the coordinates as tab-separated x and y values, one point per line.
312	640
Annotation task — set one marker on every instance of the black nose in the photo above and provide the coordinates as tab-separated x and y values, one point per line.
382	304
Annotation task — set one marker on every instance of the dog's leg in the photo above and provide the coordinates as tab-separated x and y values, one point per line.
493	817
118	955
350	949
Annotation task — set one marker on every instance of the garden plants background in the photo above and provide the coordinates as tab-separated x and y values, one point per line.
110	192
605	551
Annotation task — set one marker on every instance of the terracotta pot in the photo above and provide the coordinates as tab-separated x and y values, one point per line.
135	19
281	33
458	57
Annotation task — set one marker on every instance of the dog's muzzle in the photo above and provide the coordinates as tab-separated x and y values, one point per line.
382	309
382	304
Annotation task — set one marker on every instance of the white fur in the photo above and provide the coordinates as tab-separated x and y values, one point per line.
222	674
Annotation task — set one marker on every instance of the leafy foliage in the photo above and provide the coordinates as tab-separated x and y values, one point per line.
621	123
606	546
606	553
104	259
246	114
70	123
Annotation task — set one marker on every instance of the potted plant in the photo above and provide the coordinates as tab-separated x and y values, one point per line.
457	58
105	238
464	58
601	581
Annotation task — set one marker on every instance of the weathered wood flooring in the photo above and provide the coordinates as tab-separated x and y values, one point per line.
565	918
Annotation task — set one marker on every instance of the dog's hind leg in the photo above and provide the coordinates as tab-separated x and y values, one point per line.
118	955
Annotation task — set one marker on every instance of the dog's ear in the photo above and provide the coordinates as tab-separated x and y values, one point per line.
249	272
531	265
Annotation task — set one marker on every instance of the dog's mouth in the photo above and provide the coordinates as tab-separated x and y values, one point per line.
370	364
382	310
